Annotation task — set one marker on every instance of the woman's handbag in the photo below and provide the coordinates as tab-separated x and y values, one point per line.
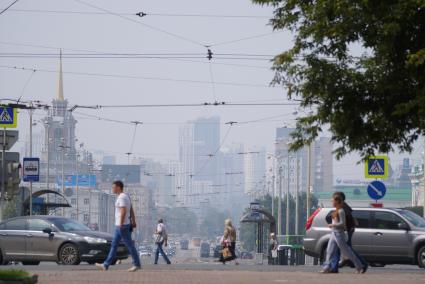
226	253
159	238
274	253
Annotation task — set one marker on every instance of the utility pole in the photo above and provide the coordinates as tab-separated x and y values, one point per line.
308	180
3	175
274	183
287	197
48	162
297	191
423	182
279	205
31	111
76	174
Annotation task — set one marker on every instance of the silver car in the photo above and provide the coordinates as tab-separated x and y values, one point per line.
383	236
47	238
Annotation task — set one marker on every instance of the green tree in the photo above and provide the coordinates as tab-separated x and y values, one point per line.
370	102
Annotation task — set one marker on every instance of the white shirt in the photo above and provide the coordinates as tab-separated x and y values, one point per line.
122	201
160	228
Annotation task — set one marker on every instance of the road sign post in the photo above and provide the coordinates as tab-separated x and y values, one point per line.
8	117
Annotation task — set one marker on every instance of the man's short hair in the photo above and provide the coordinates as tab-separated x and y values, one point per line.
119	183
340	194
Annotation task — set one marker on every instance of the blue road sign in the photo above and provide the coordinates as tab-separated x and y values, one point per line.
84	180
31	169
376	190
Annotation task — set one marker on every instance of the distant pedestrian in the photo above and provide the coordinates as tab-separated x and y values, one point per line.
228	243
273	245
125	222
338	240
161	238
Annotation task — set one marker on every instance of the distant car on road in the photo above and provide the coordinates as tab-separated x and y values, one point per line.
31	240
184	244
205	249
383	236
246	255
217	251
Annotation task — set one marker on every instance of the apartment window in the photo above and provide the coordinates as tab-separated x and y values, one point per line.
74	216
86	201
73	201
86	217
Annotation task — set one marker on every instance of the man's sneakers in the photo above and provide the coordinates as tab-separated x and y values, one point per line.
101	266
134	269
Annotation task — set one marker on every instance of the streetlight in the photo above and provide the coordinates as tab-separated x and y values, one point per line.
63	147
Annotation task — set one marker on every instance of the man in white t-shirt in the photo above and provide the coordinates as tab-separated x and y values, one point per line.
124	223
161	239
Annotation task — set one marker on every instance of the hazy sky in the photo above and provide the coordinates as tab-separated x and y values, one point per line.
157	138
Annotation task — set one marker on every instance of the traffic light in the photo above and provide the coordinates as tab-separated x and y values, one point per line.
13	178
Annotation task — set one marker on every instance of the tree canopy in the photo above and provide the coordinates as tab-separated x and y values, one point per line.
371	102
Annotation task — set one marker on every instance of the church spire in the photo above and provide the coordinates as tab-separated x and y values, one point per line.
60	85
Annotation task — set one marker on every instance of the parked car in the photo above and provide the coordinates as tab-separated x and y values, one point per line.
383	236
205	249
47	238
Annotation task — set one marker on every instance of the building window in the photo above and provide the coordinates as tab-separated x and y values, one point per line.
86	201
86	217
73	201
73	216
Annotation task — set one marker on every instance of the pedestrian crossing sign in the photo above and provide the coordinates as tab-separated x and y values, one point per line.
8	117
376	167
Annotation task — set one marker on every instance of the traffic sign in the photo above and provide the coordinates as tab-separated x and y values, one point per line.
376	167
8	117
376	190
31	169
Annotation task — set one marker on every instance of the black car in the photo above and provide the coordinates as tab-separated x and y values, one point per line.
31	239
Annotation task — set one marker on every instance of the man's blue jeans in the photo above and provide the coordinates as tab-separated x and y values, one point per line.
124	234
336	257
160	250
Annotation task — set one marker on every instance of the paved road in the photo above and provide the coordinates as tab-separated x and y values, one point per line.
218	273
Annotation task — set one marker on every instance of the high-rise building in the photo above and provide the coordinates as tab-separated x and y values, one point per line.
287	162
255	170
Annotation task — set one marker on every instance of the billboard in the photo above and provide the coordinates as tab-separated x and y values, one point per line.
126	173
84	180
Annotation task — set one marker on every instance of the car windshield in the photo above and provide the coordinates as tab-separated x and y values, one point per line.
67	225
413	218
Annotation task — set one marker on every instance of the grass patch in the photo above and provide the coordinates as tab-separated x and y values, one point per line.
13	274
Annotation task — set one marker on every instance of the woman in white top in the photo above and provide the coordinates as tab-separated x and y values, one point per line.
161	239
338	238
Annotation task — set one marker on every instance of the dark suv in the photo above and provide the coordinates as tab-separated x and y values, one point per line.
384	236
47	238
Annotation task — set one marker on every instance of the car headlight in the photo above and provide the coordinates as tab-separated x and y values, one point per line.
91	240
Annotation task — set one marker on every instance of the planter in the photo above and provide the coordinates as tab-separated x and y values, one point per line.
17	277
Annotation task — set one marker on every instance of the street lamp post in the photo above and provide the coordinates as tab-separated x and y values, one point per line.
31	124
279	204
297	216
287	195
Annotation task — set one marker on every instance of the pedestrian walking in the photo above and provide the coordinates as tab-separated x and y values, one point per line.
125	222
228	243
351	224
338	239
161	238
273	245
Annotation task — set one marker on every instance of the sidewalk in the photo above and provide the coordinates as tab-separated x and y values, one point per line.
220	277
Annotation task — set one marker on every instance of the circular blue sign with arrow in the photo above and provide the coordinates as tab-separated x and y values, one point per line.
376	190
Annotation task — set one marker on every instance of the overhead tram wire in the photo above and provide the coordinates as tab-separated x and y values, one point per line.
141	24
7	8
138	77
140	14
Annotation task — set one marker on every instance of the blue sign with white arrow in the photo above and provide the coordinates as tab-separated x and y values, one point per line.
376	190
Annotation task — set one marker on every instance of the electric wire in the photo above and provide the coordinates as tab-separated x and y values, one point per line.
7	8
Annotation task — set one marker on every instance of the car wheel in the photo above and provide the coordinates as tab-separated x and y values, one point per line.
69	255
30	262
421	257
